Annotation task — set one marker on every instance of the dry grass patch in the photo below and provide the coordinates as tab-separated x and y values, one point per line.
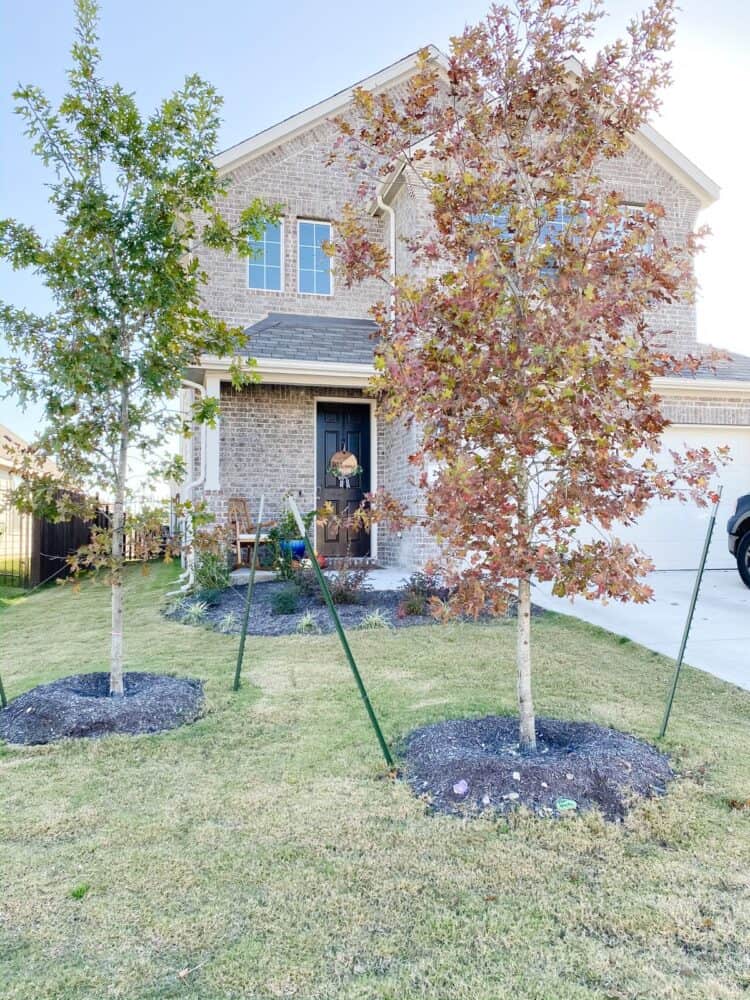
259	853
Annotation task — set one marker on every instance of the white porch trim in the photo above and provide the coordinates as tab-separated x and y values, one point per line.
212	438
281	371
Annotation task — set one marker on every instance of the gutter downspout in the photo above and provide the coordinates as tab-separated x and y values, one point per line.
388	209
187	577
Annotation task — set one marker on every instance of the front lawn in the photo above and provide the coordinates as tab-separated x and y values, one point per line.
260	853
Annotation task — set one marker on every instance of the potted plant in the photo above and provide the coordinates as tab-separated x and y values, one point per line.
287	541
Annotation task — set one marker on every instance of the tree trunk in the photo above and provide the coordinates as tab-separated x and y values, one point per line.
116	687
527	722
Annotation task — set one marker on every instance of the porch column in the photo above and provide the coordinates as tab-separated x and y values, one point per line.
213	388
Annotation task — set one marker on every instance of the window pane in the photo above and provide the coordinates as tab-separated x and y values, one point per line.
322	232
273	254
306	234
306	257
306	281
257	276
323	282
322	261
273	233
273	279
256	249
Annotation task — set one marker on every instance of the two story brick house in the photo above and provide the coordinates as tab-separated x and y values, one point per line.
314	348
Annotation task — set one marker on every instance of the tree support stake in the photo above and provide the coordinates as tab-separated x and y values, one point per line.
248	599
341	634
691	613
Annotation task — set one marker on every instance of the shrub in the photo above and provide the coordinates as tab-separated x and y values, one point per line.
285	601
229	623
195	613
210	597
346	584
417	591
307	624
306	580
211	571
374	620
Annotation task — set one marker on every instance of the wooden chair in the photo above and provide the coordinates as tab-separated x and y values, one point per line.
244	530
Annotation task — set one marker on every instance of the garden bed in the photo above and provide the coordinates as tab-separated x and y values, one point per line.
225	612
81	706
474	765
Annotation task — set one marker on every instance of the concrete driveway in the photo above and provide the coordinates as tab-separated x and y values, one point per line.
719	639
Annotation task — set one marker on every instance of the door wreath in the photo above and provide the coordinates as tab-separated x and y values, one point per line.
344	466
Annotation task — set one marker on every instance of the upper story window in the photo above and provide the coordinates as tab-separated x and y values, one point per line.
314	271
265	269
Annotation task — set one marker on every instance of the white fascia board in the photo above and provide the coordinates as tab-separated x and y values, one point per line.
678	165
230	159
675	386
282	371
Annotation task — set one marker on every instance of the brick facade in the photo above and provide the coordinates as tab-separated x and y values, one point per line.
267	431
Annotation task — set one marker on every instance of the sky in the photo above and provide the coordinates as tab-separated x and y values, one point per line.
270	60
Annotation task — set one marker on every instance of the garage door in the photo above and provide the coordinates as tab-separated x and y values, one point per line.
672	533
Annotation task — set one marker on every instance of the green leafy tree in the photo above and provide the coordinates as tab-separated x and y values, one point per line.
134	196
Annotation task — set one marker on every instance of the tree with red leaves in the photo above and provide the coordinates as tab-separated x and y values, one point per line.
525	336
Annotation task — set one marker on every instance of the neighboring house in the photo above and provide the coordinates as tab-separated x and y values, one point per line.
313	342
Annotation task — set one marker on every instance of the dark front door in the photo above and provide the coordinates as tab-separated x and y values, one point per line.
343	429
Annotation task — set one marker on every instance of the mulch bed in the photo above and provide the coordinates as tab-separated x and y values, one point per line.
80	706
471	766
264	622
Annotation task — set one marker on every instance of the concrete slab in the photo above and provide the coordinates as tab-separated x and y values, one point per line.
719	639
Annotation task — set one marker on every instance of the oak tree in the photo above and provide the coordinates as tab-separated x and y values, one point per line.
526	331
134	195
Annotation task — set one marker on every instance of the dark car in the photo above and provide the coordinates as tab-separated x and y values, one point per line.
738	529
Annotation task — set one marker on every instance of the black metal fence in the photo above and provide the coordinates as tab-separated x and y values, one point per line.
34	550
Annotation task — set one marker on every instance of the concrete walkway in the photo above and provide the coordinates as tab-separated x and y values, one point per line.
719	639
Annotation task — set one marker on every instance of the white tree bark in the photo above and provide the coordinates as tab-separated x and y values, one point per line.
527	722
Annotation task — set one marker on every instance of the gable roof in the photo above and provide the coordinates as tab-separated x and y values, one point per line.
231	158
647	138
289	336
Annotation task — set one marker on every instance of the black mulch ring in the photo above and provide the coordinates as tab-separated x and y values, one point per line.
264	622
470	766
80	706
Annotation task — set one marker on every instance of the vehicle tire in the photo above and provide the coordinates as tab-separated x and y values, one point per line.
743	558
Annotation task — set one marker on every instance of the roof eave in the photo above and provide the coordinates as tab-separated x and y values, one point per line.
234	156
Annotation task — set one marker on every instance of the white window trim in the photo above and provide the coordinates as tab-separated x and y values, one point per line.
319	222
250	258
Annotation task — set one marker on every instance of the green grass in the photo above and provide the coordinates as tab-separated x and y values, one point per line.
261	852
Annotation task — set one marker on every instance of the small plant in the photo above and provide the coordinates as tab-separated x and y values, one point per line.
346	584
79	891
229	623
307	624
211	571
195	613
285	601
210	597
305	579
416	593
374	620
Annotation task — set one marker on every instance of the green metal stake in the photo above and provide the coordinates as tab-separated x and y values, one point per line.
342	635
248	600
691	612
3	699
